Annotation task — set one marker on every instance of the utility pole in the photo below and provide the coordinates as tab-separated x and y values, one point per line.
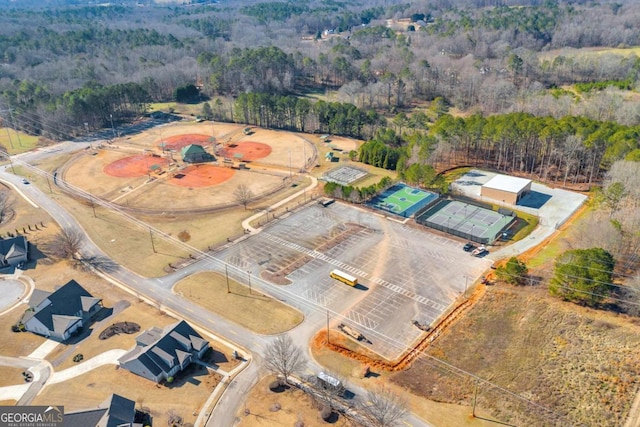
93	205
290	173
9	135
153	246
475	399
13	122
226	271
328	336
248	272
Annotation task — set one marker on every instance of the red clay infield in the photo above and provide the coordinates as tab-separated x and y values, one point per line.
178	141
249	150
134	166
202	176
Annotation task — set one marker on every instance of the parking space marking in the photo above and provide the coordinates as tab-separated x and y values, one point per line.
314	254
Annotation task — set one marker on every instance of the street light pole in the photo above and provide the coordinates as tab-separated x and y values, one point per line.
248	272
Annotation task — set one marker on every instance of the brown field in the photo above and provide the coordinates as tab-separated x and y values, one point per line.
295	406
246	151
177	142
209	290
575	361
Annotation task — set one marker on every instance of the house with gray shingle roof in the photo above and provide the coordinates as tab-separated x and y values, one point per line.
62	313
162	353
116	411
13	251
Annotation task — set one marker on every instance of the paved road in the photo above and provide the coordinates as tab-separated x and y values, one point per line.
159	291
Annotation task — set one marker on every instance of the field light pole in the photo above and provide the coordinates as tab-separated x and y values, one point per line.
86	130
112	127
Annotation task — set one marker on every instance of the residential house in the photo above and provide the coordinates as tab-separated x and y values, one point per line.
116	411
13	251
160	354
194	153
61	313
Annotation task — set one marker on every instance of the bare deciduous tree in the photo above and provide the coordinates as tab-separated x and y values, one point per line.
64	245
384	408
243	195
6	208
283	357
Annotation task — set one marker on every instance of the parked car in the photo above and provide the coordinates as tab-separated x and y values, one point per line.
478	250
468	247
24	181
482	253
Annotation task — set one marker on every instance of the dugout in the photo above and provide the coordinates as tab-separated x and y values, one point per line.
508	189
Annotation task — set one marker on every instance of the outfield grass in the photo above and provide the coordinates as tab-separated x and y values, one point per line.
251	309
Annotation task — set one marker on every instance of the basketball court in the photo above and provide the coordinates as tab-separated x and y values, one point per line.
403	200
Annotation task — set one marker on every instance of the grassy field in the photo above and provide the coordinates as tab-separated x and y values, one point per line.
574	361
439	414
17	142
591	51
268	316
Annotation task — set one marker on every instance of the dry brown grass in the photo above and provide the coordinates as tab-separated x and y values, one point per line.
88	390
10	376
268	316
9	402
295	406
572	360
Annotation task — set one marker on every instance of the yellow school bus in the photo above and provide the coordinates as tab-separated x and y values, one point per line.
344	277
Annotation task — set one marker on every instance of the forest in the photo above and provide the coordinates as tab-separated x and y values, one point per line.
497	84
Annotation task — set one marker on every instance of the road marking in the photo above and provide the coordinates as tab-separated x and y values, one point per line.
189	310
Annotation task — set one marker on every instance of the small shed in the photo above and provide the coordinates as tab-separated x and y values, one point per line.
194	153
508	189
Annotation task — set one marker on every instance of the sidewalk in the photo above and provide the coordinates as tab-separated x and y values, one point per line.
246	224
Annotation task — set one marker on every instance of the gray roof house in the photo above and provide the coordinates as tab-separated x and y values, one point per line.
116	411
160	354
13	251
61	313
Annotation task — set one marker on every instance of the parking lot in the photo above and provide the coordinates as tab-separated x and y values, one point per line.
404	273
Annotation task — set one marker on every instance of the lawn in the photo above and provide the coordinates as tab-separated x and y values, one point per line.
209	290
186	395
10	376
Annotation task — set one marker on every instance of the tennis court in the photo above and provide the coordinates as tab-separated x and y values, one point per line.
403	200
345	175
464	220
